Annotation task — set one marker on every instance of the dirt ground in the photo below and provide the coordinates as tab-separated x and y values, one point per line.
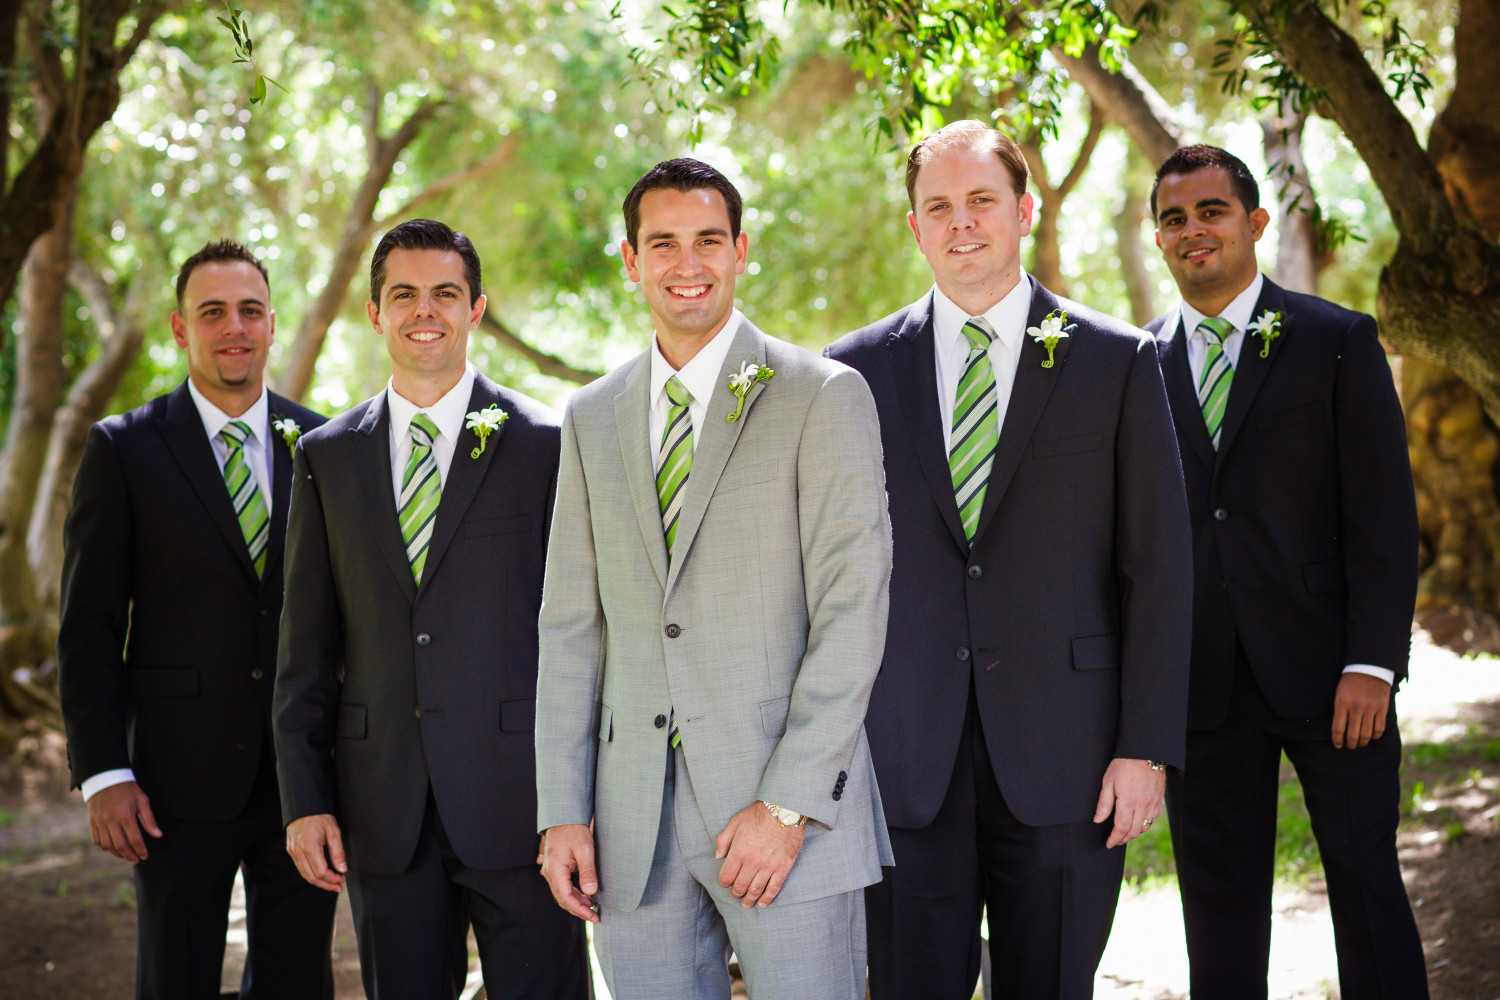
67	918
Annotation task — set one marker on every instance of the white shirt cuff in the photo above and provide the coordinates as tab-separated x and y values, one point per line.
99	782
1389	676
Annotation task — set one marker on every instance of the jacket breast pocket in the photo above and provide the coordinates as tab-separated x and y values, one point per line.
773	716
353	722
481	527
1096	652
1075	445
751	475
518	716
606	723
1323	577
164	682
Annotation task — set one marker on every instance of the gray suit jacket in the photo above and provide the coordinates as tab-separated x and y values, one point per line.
764	632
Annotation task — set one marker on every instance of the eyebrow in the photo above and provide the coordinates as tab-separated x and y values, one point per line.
978	190
1205	203
220	302
408	286
713	231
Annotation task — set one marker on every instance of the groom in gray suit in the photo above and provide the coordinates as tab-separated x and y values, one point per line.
712	621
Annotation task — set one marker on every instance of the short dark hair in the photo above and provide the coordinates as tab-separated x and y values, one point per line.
1191	159
681	174
217	253
424	234
967	135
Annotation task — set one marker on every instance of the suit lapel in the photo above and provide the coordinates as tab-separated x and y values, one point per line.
465	474
632	428
281	495
713	442
1182	394
187	439
1252	369
914	371
372	461
1028	398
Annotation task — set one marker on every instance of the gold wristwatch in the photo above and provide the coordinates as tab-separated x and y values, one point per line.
785	816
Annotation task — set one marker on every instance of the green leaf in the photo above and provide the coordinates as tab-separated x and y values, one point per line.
260	90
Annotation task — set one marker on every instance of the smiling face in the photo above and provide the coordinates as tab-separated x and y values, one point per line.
425	317
968	223
226	326
686	267
1207	237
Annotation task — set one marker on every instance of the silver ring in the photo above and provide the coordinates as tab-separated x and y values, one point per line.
1146	824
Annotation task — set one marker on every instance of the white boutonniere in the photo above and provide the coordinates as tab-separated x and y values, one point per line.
288	429
1050	332
1267	327
485	422
749	374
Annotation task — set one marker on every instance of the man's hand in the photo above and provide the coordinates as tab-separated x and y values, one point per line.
1133	792
116	817
307	839
565	850
1360	706
758	854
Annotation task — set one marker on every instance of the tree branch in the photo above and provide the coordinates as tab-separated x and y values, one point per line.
1128	100
497	159
547	364
1085	153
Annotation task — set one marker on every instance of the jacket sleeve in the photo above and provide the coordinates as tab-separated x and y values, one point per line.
846	565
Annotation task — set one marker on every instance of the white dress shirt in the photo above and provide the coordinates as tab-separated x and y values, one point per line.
448	414
700	376
258	453
1008	319
1240	312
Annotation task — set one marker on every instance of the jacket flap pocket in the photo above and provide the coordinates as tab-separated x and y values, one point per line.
1096	652
606	723
1067	445
1322	577
164	682
480	527
1288	415
352	722
773	716
751	475
518	716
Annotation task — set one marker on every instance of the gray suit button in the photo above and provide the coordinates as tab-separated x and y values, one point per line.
673	631
1220	514
423	639
963	652
661	720
256	675
975	572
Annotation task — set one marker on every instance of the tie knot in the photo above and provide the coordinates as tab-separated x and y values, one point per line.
423	430
979	332
1216	327
677	392
235	433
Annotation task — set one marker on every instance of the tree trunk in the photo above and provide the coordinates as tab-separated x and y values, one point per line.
1298	257
1046	241
1133	256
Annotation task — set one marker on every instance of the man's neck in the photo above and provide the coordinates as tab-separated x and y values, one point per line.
232	401
423	389
980	300
1213	301
678	348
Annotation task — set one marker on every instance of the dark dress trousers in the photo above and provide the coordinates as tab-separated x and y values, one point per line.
1305	561
1016	669
166	659
408	712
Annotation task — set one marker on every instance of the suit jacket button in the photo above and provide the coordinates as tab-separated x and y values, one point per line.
256	675
963	652
673	630
1220	514
264	612
837	794
661	720
423	639
975	572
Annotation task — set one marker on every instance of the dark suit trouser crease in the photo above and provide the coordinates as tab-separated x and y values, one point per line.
183	891
1050	894
1223	821
413	929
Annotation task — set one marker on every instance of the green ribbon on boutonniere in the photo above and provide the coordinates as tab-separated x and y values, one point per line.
1050	332
485	422
1267	327
740	383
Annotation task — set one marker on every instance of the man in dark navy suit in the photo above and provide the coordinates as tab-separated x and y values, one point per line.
1305	575
167	649
1034	683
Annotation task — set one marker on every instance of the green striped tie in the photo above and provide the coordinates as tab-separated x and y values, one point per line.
249	505
421	492
1213	388
676	459
976	427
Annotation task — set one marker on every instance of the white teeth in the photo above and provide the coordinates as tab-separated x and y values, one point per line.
425	336
691	292
967	248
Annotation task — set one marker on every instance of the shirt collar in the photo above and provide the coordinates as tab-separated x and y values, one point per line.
700	374
1006	317
214	419
1239	311
447	413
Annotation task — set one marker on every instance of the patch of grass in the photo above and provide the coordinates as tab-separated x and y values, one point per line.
1148	858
